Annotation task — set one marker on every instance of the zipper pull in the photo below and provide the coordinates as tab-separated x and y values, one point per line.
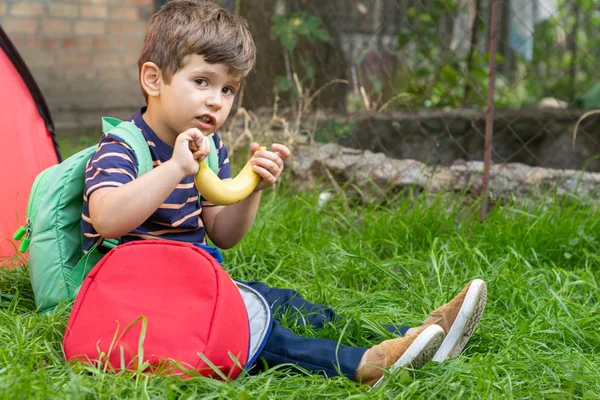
23	233
19	233
24	245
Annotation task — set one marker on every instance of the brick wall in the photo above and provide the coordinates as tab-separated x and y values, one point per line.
82	53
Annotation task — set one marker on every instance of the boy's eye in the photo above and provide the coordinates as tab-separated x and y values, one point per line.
228	90
201	82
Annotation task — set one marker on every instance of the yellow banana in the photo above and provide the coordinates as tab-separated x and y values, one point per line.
224	193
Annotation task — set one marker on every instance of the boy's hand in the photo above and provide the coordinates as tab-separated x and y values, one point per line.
190	146
268	164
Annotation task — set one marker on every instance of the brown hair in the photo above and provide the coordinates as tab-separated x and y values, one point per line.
184	27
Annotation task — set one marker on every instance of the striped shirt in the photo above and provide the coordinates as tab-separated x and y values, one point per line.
114	164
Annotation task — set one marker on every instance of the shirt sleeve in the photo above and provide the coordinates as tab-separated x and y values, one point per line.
112	165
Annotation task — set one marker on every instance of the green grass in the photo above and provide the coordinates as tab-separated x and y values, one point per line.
378	264
71	141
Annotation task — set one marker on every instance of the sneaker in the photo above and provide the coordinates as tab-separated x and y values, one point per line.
459	318
414	350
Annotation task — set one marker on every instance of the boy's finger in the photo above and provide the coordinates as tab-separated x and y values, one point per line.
281	150
253	150
190	137
197	140
200	148
205	145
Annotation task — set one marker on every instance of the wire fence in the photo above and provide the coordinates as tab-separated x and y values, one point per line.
427	80
439	81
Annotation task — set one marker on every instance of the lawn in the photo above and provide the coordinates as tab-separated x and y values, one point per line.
378	264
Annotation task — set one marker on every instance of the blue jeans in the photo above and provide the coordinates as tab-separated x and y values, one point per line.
324	356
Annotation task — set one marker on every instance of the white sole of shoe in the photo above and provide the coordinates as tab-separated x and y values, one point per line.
465	323
420	351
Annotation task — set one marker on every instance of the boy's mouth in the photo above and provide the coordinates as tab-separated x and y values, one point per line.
206	120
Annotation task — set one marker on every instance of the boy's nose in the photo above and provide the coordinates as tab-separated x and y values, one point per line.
214	100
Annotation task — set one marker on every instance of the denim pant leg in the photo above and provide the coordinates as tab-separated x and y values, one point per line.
316	355
289	301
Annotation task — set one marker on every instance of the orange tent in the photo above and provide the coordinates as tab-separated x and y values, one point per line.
27	141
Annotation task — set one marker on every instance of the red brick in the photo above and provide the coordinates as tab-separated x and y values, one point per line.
56	26
98	1
114	74
17	40
122	28
3	8
135	45
27	9
79	74
90	28
147	3
63	10
20	25
94	11
106	60
27	42
130	59
101	44
121	87
52	43
69	43
133	73
124	13
49	74
86	43
36	59
118	44
34	42
73	59
55	90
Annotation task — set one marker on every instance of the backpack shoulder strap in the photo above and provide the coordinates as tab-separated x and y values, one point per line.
132	135
212	159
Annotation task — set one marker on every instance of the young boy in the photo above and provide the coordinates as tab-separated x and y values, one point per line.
194	58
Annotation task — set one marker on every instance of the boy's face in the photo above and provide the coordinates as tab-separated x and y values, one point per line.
200	95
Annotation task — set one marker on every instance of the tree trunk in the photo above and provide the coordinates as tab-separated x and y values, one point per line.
472	46
572	46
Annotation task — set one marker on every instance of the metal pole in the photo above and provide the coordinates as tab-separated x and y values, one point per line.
489	117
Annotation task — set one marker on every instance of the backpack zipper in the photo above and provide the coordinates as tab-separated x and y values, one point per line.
267	306
23	232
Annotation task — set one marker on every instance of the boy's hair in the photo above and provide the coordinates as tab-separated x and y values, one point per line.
184	27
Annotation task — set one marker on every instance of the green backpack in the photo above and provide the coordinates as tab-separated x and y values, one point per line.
52	231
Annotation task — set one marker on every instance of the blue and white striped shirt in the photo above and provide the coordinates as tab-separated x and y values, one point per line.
114	164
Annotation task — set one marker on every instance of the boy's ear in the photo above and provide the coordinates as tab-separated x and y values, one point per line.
151	79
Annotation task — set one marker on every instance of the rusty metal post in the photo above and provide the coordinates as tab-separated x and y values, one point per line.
489	116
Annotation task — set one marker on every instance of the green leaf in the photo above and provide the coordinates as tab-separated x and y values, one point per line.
289	41
403	39
424	17
449	75
283	84
321	35
300	27
309	69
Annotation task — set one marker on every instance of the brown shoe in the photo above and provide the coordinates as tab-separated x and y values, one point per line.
414	350
459	318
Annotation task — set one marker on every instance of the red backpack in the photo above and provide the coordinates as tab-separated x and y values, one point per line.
160	306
